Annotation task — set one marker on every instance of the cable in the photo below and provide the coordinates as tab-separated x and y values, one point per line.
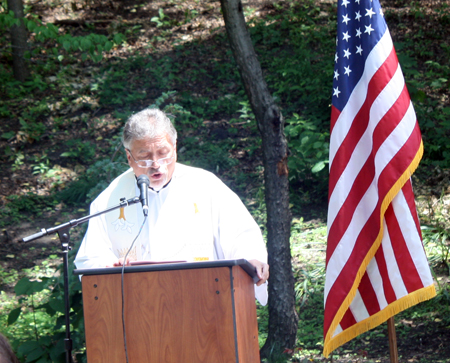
123	294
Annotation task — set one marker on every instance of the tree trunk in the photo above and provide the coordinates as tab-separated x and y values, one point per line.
283	318
18	42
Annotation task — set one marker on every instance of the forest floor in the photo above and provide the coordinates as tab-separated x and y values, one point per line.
17	179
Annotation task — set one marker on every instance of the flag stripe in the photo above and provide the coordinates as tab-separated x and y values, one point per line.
361	181
388	289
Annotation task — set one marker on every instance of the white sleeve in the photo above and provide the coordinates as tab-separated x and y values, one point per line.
236	233
96	249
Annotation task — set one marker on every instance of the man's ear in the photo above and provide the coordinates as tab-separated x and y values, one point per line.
128	157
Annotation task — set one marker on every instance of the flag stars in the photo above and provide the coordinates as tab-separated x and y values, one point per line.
336	57
359	50
358	33
336	92
381	12
358	15
336	75
357	1
369	29
345	19
345	3
370	13
347	71
345	36
347	53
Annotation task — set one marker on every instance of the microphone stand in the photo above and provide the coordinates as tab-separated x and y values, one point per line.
64	236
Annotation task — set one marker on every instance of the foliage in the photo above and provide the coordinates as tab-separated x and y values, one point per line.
12	212
41	305
92	45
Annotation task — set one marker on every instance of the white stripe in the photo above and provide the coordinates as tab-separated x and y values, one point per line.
395	276
377	282
412	238
338	330
395	141
385	100
358	308
376	58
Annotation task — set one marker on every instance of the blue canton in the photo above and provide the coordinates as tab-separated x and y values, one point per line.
361	25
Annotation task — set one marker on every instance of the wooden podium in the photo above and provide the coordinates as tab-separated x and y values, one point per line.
175	313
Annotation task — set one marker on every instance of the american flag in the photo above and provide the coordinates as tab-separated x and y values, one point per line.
376	264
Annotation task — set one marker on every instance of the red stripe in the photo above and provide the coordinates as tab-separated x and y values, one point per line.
378	82
334	116
410	276
409	196
400	163
389	292
347	320
368	295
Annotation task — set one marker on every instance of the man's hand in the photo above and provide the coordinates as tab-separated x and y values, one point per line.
119	262
262	270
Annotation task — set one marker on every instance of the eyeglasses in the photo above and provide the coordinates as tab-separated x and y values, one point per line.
150	163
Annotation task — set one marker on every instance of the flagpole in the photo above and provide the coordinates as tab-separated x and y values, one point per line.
392	340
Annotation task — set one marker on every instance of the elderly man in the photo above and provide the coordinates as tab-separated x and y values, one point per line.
193	216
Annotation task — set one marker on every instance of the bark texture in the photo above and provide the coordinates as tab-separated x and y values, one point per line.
283	318
18	42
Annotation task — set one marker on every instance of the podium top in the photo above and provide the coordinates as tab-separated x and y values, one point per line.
244	264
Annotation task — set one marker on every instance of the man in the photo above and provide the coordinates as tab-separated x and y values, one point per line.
193	216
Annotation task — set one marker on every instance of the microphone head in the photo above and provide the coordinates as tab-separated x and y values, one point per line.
143	179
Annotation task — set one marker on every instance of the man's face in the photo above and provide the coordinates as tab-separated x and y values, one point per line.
153	149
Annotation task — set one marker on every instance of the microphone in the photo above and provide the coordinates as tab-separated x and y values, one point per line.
143	183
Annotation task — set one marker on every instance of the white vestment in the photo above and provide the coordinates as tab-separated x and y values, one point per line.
196	217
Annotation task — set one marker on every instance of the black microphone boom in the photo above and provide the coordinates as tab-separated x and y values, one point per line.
143	183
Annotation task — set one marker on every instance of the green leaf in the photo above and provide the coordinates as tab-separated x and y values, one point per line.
35	354
23	287
31	25
37	286
68	154
318	167
57	305
8	135
108	46
27	347
118	38
85	44
14	315
27	287
67	45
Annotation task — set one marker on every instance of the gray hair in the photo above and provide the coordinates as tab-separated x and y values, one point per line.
150	122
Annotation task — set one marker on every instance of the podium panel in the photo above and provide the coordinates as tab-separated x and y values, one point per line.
176	315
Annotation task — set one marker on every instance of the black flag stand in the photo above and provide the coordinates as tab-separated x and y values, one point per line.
63	231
